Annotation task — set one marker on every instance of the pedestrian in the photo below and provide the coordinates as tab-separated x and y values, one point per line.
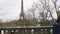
56	26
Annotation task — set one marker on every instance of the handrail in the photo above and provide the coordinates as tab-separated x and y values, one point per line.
29	27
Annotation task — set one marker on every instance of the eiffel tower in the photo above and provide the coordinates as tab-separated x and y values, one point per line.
21	20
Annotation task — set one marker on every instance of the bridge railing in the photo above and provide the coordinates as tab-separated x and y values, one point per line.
27	30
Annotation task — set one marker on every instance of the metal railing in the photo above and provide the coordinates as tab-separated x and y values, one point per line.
26	30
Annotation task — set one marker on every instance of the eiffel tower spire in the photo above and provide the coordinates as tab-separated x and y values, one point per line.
22	12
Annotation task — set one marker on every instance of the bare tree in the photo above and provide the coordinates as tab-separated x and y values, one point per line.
55	6
43	8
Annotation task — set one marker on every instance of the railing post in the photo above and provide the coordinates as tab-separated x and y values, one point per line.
24	31
43	30
29	31
48	30
4	31
34	30
15	31
20	31
39	31
9	31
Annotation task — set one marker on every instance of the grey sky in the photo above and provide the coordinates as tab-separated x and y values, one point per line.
10	9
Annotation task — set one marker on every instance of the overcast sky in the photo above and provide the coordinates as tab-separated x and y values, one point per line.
10	9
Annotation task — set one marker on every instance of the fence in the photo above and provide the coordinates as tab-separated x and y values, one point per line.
26	30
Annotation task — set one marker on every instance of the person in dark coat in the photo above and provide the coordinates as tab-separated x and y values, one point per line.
56	26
